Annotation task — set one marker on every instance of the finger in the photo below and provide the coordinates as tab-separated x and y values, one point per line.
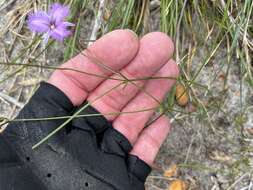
151	139
155	50
115	50
153	93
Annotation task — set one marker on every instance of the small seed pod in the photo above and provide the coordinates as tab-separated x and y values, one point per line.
172	171
177	185
182	97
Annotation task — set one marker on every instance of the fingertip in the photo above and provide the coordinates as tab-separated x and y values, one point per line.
151	139
161	42
122	34
131	33
165	38
121	45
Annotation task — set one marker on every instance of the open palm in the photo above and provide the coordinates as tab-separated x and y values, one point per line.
123	54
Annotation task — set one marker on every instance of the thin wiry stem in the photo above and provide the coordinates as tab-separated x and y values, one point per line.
87	73
72	117
82	115
98	62
6	120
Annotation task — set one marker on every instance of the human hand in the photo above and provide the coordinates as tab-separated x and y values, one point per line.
123	52
110	152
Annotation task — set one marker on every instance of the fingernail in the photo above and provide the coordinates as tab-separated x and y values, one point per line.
135	35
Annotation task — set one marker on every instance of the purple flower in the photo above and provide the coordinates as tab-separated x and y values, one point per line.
52	24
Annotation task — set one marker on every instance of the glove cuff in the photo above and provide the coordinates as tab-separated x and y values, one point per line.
138	168
54	95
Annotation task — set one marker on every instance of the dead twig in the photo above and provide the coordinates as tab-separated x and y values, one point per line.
11	100
98	21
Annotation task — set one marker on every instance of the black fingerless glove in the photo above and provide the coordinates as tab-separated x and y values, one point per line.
87	154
